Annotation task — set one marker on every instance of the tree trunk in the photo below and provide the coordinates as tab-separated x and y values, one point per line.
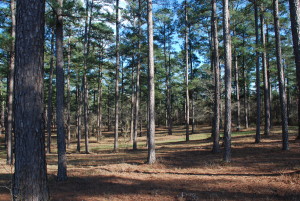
284	120
133	99
151	127
288	96
238	114
79	111
137	91
121	96
295	24
192	92
2	112
30	177
227	46
117	79
69	95
9	160
215	63
85	84
61	142
108	111
99	116
258	101
245	88
50	95
266	79
169	101
268	74
187	104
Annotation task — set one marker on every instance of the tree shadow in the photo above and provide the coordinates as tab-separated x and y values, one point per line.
106	187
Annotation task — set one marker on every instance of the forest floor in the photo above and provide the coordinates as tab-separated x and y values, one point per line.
184	170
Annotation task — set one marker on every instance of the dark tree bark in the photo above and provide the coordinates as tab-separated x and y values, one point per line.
50	95
133	99
192	91
116	145
258	101
228	59
169	94
282	94
187	101
9	160
69	94
215	63
266	79
2	113
295	24
288	97
30	177
137	90
151	127
61	142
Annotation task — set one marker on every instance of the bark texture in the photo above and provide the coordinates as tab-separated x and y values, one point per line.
116	144
151	127
50	96
69	94
99	110
295	24
258	101
266	79
187	101
215	63
228	59
30	177
9	160
282	93
61	141
137	89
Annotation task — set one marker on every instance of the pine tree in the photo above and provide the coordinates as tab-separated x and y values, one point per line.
30	177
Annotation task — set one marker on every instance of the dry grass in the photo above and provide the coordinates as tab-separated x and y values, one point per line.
184	170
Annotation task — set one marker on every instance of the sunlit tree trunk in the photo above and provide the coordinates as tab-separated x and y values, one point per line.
215	63
169	101
116	135
137	89
245	87
238	114
266	79
228	59
79	111
282	93
99	110
268	73
151	127
187	104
